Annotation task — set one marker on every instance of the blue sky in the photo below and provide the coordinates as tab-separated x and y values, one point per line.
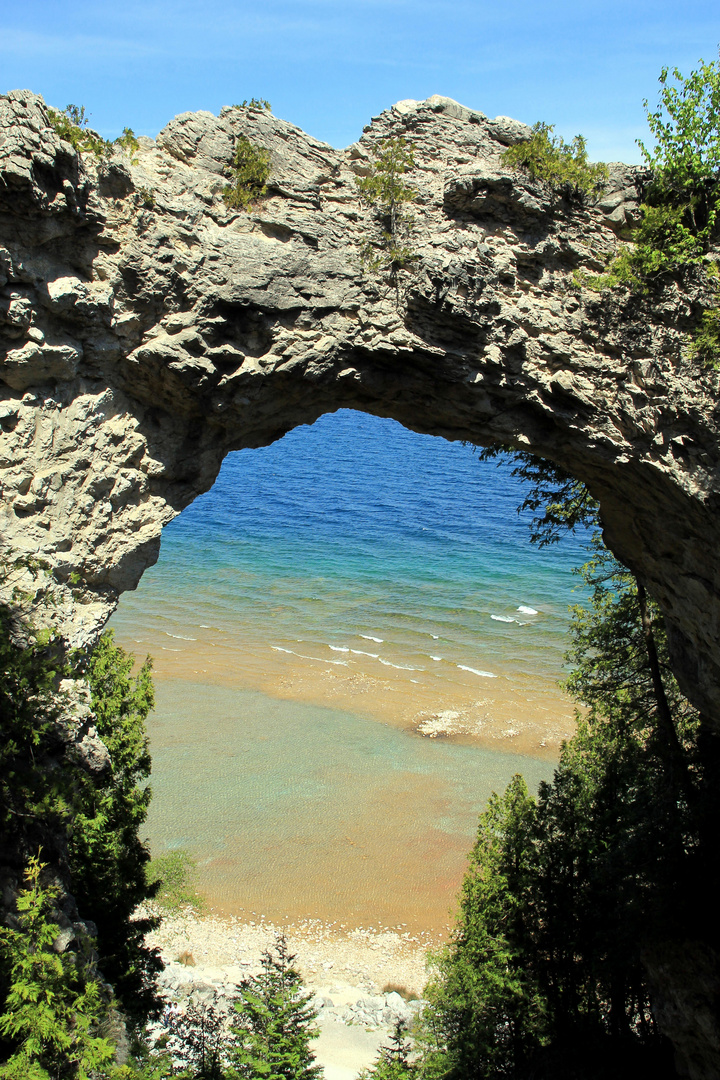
329	65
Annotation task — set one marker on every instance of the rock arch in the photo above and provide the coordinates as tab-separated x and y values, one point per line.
146	330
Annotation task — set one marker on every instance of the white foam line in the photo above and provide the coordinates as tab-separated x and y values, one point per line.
400	667
338	648
527	610
369	637
485	674
179	637
164	649
359	652
502	618
436	657
301	656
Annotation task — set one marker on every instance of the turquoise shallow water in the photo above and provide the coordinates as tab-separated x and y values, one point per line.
294	810
356	565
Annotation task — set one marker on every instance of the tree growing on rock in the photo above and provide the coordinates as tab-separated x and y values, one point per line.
385	189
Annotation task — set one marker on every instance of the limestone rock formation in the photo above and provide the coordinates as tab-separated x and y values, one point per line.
146	330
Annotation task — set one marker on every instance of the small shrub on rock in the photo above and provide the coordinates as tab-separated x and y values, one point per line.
172	876
680	219
564	167
71	125
706	342
255	105
251	169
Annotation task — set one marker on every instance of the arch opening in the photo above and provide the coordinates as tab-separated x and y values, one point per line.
354	644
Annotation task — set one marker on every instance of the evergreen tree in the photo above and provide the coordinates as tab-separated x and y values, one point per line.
201	1040
565	894
274	1025
86	824
485	1013
108	861
394	1062
54	1006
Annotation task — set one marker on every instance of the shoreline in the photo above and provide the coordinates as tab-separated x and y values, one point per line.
368	958
301	814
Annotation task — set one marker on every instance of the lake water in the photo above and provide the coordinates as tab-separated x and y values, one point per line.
331	597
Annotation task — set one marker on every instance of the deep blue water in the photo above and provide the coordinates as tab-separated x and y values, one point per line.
353	531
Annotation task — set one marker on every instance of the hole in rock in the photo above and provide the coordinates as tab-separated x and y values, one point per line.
354	644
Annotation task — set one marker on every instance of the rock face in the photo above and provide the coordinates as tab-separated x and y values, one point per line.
146	330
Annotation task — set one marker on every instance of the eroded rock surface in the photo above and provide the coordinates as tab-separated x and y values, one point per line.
146	330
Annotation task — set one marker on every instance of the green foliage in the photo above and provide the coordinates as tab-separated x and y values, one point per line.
564	167
201	1040
53	1006
106	857
127	141
273	1026
608	654
679	219
560	503
71	125
385	190
685	161
251	169
544	974
621	271
155	1067
86	823
33	793
705	345
485	1011
395	1061
255	105
172	875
